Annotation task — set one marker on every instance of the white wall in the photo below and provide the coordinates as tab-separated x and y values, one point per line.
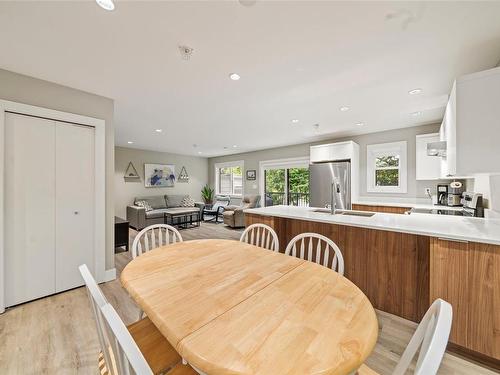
415	188
126	190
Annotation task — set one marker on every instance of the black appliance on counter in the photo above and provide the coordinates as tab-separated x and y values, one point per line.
442	194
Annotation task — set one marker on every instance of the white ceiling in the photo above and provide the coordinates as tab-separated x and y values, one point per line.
298	59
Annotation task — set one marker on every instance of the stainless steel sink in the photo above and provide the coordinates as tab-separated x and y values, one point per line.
357	213
344	212
323	210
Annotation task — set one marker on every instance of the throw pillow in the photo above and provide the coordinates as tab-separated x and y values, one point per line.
144	204
187	202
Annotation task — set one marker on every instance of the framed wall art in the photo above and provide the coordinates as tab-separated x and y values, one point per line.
251	174
159	175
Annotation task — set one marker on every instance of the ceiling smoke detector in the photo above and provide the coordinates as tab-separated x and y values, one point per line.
186	52
247	3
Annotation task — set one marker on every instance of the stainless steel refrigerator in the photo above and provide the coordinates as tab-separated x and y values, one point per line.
330	178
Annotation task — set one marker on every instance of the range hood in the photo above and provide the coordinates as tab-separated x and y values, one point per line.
436	148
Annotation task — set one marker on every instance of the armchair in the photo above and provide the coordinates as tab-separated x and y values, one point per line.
233	215
215	211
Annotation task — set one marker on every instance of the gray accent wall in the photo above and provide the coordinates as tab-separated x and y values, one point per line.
415	188
28	90
127	189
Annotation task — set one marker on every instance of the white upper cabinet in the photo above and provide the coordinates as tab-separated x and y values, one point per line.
427	167
471	125
332	151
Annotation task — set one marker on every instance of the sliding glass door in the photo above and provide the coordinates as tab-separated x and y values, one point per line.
298	186
275	186
286	186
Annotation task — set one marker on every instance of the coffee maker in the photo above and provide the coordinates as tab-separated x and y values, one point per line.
442	194
455	194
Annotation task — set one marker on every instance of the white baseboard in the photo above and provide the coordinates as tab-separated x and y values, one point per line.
109	275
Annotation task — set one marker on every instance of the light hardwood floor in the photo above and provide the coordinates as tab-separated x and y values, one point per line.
56	335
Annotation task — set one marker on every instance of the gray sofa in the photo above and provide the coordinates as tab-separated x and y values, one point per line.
139	218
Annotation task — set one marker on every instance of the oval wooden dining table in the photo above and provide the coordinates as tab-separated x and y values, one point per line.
233	308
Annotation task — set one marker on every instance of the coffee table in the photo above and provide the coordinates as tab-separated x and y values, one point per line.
182	218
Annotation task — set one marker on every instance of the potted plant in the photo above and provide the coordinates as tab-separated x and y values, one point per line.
207	194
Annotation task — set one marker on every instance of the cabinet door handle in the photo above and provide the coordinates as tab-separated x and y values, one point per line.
76	212
452	240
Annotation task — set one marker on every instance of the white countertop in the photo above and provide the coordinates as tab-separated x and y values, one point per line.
451	227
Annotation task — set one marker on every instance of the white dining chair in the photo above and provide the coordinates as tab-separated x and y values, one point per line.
261	235
159	354
97	300
430	339
154	236
126	356
319	247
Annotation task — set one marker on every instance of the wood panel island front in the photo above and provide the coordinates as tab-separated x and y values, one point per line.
403	272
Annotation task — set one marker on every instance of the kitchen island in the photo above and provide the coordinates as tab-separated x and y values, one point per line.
404	262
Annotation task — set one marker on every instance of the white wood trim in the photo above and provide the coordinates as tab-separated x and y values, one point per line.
100	181
2	172
227	164
109	275
371	151
278	163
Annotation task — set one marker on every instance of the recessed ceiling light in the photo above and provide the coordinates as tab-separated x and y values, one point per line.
130	142
199	152
418	113
158	130
415	91
360	123
344	108
234	146
106	4
294	121
234	76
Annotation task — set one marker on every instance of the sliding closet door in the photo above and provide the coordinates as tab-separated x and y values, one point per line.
29	208
74	203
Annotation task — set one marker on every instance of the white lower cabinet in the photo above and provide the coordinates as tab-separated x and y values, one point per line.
49	206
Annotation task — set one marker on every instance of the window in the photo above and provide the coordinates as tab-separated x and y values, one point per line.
386	168
229	178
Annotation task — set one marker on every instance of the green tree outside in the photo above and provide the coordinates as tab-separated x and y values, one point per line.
387	170
298	183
